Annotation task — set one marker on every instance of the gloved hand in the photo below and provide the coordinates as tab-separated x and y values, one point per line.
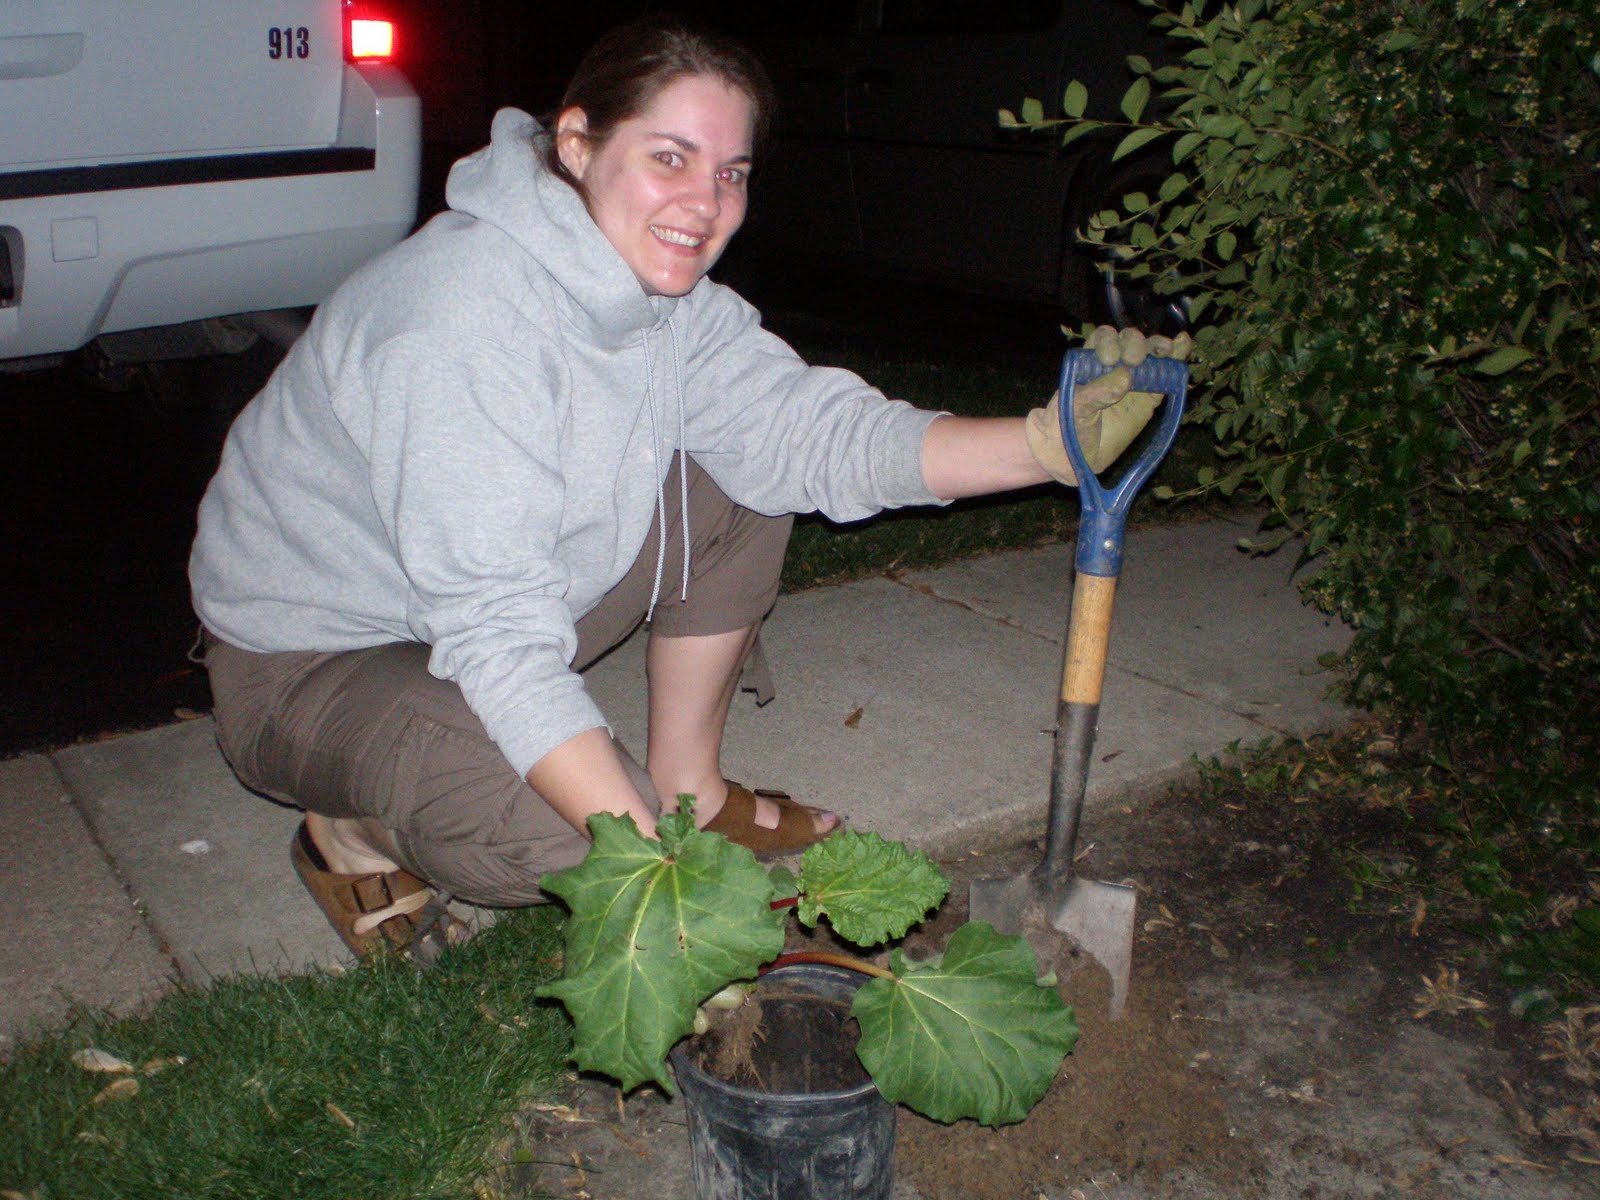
1107	414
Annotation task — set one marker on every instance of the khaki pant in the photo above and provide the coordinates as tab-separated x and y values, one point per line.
370	733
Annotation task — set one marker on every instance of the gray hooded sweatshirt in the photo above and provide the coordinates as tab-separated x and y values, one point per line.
467	447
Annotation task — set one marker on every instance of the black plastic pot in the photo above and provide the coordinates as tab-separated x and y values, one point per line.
748	1143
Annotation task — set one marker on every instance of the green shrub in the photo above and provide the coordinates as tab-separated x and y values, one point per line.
1385	214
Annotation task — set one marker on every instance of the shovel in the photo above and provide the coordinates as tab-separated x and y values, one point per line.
1098	917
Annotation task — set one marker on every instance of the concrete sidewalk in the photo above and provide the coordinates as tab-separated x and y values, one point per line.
919	705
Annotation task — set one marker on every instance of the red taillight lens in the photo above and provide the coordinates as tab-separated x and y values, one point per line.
371	40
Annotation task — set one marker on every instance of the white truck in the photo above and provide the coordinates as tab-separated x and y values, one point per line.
177	175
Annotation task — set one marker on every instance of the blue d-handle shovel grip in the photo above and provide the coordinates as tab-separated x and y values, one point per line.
1105	512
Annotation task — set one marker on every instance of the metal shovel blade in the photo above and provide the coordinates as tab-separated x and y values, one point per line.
1098	917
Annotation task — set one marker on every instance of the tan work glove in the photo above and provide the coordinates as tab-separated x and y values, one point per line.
1107	414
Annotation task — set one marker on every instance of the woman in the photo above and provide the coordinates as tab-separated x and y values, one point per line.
503	445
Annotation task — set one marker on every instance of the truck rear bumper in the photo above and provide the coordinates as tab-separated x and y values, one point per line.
233	234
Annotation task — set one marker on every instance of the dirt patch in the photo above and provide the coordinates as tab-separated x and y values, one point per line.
1293	1030
1139	1096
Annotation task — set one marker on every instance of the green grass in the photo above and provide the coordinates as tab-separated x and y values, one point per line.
421	1072
822	552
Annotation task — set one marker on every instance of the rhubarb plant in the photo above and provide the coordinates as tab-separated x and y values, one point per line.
659	926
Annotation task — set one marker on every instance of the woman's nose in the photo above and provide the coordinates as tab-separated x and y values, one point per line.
702	198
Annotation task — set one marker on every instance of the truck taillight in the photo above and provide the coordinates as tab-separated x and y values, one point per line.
368	37
371	39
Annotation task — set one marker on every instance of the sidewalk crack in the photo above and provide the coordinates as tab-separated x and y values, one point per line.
1249	713
140	909
925	589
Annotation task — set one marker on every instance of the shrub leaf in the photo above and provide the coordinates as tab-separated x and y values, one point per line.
1504	359
1075	100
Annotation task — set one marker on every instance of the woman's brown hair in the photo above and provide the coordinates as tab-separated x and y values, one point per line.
624	72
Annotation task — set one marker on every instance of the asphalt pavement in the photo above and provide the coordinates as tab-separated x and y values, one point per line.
918	704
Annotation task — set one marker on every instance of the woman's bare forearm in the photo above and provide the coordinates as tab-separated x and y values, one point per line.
584	775
973	456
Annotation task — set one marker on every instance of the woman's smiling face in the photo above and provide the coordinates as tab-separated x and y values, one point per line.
668	188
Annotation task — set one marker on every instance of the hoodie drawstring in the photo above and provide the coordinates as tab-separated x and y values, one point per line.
683	467
683	454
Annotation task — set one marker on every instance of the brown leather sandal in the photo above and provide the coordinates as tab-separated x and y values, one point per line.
368	911
736	821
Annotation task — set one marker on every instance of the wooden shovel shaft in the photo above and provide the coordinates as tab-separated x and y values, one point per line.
1082	679
1088	638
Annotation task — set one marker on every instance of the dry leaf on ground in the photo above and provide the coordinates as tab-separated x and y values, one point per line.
561	1112
1574	1042
1525	1123
1444	994
122	1089
1418	916
1558	910
102	1061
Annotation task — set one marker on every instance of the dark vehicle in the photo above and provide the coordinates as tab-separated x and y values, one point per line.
890	156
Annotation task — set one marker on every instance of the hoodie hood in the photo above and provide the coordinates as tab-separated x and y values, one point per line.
507	185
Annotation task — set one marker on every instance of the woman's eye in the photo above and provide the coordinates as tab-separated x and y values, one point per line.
733	175
670	158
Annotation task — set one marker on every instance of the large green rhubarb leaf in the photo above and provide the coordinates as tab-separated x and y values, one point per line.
970	1035
870	890
656	927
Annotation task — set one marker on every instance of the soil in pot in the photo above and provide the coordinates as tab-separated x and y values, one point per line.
783	1040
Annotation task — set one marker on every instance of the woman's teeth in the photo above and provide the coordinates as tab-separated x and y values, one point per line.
676	238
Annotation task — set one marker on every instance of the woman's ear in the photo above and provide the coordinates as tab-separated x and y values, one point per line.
572	141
